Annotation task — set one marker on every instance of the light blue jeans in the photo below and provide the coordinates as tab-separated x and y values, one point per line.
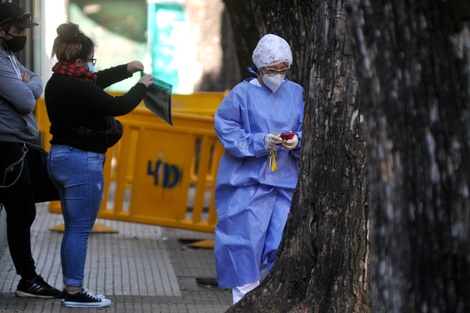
78	175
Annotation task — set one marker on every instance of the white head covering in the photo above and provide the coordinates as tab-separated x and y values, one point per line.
271	50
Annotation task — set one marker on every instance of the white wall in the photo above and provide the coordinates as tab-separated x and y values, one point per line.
53	13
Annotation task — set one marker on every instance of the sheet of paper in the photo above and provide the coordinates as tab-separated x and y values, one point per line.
158	99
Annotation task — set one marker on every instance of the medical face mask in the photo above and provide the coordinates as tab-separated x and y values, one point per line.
15	44
91	67
273	82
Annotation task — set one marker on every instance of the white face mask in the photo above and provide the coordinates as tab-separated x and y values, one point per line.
91	67
273	82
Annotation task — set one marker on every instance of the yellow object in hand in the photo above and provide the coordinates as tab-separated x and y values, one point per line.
272	159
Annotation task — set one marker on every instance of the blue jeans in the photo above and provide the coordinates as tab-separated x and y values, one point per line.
78	175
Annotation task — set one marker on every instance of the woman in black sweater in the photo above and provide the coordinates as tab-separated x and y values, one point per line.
78	107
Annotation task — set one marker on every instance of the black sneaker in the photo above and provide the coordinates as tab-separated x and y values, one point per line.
64	293
85	299
36	288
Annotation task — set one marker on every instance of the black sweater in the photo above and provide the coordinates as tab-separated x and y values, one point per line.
72	102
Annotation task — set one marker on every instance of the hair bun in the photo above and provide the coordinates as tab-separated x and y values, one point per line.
70	33
71	44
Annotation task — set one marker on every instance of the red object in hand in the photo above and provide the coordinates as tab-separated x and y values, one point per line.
286	136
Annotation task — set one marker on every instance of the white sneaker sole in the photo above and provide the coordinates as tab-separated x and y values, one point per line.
102	303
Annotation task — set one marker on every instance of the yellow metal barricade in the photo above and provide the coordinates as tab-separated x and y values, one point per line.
200	103
158	174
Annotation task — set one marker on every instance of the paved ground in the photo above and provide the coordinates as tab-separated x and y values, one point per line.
141	269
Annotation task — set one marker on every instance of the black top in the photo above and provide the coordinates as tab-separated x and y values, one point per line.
72	102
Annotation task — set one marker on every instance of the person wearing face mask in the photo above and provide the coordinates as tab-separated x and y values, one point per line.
76	101
20	157
258	172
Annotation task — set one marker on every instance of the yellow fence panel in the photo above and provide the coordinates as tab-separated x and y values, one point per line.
200	103
158	174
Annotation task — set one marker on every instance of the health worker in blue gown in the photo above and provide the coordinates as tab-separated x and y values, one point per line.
258	172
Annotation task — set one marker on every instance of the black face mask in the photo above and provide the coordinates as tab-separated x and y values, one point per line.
15	44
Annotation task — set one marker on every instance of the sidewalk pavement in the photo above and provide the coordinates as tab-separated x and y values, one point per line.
141	268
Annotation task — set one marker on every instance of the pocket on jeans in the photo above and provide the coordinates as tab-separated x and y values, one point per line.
57	157
95	161
59	153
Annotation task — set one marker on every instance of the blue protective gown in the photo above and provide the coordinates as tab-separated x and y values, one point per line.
252	201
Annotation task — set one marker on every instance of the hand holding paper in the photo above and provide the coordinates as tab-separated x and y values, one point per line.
134	66
146	80
158	98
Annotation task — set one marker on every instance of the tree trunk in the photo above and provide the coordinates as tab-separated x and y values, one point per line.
322	260
245	33
413	67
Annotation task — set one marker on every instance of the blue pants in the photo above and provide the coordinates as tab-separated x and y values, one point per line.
78	175
251	220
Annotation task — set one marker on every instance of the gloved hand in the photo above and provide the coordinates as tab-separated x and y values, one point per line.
290	143
270	140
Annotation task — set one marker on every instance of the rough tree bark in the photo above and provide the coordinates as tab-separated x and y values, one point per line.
322	261
413	67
